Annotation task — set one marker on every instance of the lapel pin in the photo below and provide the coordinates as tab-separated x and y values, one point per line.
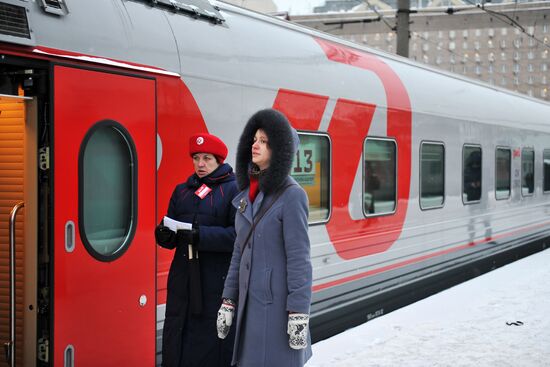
242	205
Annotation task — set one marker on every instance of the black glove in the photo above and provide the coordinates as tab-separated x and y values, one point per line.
165	237
187	236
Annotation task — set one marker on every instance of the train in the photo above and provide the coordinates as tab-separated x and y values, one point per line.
416	177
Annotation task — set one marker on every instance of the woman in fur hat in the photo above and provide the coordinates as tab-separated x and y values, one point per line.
269	279
197	272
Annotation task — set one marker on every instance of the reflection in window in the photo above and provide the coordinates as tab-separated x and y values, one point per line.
107	190
503	173
380	186
527	172
311	169
471	168
546	169
432	175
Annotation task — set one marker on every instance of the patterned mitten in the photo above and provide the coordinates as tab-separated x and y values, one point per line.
225	318
297	330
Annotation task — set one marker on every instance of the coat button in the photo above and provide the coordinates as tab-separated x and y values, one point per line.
249	245
247	266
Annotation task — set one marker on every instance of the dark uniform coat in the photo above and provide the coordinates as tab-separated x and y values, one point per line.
271	274
191	340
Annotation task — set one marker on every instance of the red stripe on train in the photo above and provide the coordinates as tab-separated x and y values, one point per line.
365	274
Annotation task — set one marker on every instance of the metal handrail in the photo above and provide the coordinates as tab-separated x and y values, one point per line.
10	346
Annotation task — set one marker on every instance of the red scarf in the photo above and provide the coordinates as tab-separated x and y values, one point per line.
253	189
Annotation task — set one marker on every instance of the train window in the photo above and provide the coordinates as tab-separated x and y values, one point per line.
107	190
546	168
471	170
527	172
311	169
503	176
379	183
432	175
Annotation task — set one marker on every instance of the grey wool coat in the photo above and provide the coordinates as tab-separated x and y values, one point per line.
269	277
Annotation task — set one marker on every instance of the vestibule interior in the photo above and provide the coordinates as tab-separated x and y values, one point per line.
18	183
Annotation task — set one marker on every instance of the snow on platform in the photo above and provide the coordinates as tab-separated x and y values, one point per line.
500	319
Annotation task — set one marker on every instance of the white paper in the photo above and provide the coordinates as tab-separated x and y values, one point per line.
174	225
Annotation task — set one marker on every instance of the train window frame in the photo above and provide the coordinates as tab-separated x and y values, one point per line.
509	149
523	150
431	142
324	135
396	172
127	242
543	173
471	202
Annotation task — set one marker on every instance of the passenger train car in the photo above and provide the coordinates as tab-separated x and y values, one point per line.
415	176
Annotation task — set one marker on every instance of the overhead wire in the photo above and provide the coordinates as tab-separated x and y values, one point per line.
417	34
380	16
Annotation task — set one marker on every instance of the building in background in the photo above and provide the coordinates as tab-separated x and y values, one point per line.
262	6
506	45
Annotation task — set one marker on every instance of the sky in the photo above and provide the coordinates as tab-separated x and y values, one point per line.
499	319
298	7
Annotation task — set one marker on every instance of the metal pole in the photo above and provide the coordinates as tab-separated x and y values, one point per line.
403	10
10	346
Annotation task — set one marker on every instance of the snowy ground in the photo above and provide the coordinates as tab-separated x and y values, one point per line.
464	326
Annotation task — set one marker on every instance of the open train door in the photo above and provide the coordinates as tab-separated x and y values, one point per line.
104	218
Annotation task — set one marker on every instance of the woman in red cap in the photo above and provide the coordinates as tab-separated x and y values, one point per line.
201	260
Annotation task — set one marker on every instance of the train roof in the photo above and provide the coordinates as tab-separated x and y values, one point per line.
179	42
391	56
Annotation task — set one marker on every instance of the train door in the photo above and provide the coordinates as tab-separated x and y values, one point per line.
104	217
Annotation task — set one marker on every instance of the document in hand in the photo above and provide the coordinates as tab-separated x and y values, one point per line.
174	225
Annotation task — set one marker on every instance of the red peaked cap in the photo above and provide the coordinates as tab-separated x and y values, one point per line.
207	143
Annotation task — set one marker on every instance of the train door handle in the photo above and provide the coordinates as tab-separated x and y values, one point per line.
10	346
68	360
69	236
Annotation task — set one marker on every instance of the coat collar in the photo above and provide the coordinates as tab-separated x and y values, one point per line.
242	202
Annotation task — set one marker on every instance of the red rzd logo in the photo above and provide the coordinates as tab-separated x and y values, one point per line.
348	128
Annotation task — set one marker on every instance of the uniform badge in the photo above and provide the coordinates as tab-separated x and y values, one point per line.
242	205
203	191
